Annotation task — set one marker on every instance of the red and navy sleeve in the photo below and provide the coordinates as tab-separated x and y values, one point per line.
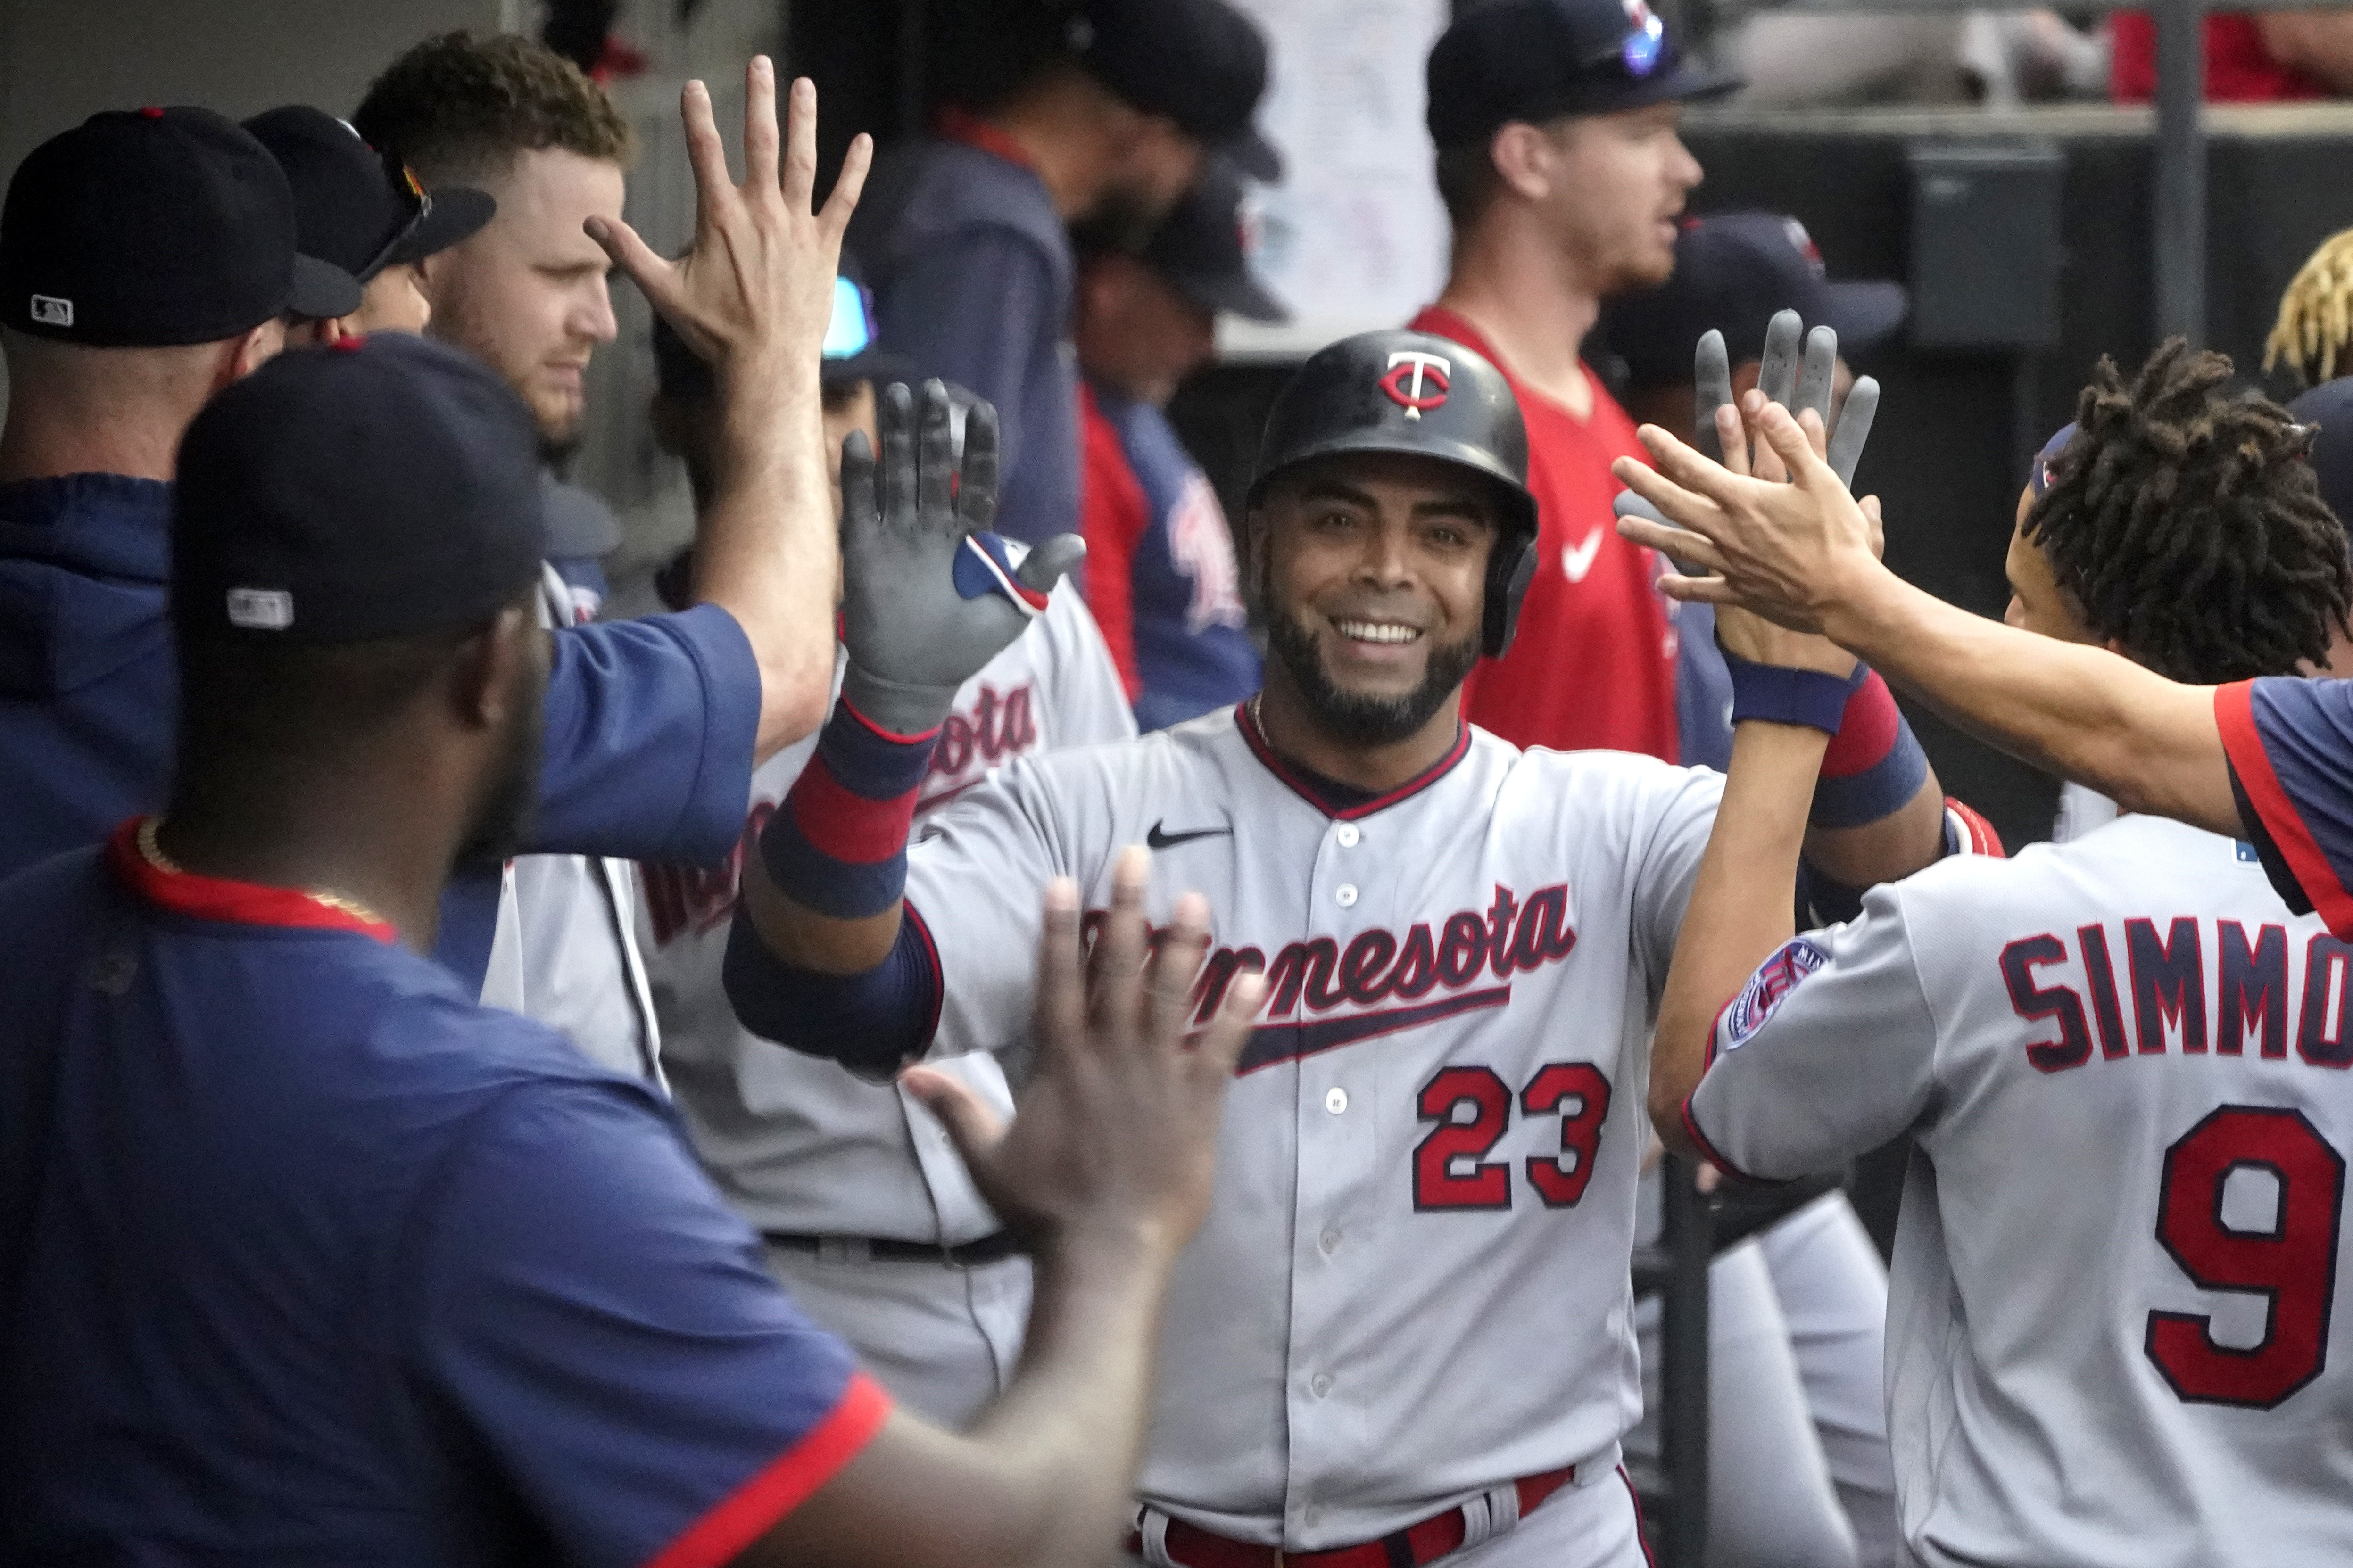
580	1298
2289	743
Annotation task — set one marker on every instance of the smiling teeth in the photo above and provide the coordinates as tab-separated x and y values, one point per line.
1376	631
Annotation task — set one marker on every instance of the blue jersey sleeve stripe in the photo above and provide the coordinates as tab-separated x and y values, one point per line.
753	1509
2247	745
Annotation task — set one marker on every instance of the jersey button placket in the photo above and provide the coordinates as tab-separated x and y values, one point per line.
1336	1191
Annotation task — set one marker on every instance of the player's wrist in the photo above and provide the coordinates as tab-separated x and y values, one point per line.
837	841
903	709
1857	596
1787	695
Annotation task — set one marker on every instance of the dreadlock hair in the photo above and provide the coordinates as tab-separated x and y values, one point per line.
2187	526
2316	315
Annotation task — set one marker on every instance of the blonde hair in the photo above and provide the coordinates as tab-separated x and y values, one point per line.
2315	330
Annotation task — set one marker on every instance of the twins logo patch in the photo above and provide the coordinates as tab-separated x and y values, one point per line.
1417	381
1775	979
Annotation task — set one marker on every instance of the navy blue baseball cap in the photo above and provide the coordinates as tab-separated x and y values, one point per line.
153	227
1204	249
2329	406
386	486
1538	59
354	207
1734	272
1202	63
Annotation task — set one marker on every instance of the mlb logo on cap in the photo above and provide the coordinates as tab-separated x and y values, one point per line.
52	311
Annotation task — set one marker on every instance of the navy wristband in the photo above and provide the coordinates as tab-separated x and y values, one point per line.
1779	695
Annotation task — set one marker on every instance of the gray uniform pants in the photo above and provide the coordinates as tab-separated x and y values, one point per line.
942	1339
1799	1471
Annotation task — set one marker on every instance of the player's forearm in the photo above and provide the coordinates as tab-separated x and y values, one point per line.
1072	1425
1886	850
1044	1478
2080	713
766	548
802	938
1740	909
823	892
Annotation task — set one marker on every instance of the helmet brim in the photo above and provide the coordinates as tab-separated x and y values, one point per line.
1519	506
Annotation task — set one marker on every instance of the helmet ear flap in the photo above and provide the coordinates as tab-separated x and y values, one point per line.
1510	569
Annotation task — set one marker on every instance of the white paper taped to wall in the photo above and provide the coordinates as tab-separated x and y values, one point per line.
1353	237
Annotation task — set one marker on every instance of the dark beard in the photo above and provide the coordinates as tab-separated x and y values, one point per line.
503	820
1368	720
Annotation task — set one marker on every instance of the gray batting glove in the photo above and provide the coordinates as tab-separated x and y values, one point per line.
929	595
1783	380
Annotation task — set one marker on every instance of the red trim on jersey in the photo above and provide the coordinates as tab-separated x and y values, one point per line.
752	1508
959	124
2243	743
1113	518
1715	1027
1305	787
1640	1539
1691	1129
219	898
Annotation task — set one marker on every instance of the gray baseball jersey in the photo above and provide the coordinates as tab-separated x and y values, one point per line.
1413	1284
796	1142
2112	1327
564	951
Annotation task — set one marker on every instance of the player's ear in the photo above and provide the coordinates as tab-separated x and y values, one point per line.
1255	597
496	668
1521	156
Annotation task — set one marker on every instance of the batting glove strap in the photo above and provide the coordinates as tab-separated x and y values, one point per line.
1874	765
838	844
1779	695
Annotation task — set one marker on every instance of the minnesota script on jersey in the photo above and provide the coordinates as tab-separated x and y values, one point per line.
2113	1334
1413	1282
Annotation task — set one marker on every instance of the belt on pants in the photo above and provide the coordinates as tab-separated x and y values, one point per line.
993	1248
1189	1546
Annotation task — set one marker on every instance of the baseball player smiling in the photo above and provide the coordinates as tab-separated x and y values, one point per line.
1404	1331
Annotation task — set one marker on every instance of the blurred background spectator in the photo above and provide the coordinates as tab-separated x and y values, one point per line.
1161	575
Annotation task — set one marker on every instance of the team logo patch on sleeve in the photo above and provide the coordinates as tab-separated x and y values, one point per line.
1775	979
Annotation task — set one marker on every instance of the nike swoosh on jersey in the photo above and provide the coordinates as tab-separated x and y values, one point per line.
1577	560
1159	839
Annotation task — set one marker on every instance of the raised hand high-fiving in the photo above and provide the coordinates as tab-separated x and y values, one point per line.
755	293
929	595
1781	378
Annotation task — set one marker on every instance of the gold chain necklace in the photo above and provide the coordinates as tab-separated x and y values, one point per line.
152	853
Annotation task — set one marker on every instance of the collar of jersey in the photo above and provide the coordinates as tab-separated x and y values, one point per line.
219	898
1303	784
959	124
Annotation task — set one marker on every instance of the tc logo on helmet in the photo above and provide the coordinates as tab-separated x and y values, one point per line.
1417	381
